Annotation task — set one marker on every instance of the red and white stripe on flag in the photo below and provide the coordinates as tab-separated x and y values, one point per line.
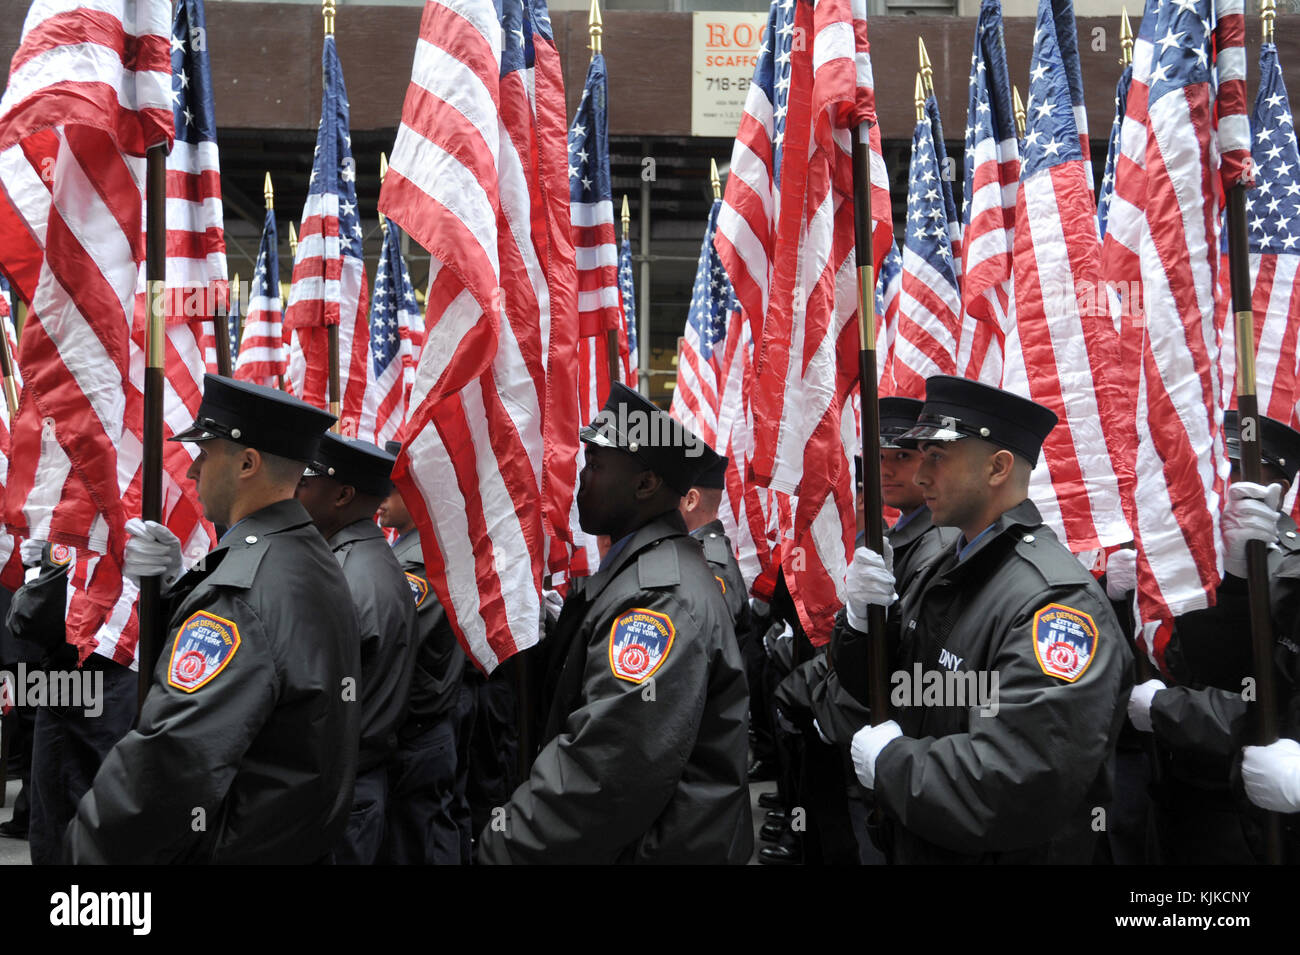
1162	237
807	358
1065	350
478	176
89	91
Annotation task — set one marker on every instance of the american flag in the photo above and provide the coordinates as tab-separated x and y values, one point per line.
702	358
746	228
1162	236
591	205
478	177
889	293
1113	148
89	91
989	210
1068	354
262	355
1274	241
196	238
329	273
11	574
807	359
925	341
591	208
395	326
627	328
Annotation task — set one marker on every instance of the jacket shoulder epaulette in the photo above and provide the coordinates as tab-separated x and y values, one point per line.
658	567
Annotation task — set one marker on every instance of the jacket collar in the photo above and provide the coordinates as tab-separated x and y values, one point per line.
410	541
1015	521
667	524
911	531
359	530
281	516
713	527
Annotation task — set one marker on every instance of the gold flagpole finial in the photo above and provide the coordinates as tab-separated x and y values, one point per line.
1268	10
235	297
595	26
327	8
919	98
293	241
383	173
1018	107
269	193
927	71
1125	37
627	216
715	179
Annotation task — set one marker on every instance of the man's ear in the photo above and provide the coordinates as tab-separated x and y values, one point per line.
1002	465
647	485
345	495
250	462
691	500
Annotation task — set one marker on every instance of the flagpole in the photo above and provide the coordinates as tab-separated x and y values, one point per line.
1261	624
150	606
7	370
877	658
332	331
1018	108
286	289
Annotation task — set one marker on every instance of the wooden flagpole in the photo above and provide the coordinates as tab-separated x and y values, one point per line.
332	331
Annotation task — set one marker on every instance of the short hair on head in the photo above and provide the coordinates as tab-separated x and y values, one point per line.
281	470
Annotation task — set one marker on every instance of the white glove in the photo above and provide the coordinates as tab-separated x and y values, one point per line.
30	552
1272	775
822	736
151	550
1249	515
1121	574
1139	704
868	743
870	580
553	601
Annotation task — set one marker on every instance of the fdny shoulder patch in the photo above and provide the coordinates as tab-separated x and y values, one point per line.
419	587
1064	641
204	645
60	555
721	583
639	641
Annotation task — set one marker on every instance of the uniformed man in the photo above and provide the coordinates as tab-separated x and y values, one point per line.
246	746
69	743
699	509
426	778
643	751
1008	669
344	485
811	697
1202	723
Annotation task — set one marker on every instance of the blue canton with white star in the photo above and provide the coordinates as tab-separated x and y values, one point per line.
712	301
1051	136
333	169
989	113
772	74
191	81
589	139
927	220
629	293
1273	207
1113	151
1181	32
393	294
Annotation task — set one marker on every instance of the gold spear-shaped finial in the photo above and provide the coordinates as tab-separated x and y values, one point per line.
595	26
327	8
235	296
383	173
927	71
1018	107
1268	10
627	216
715	179
1125	38
293	241
918	97
268	192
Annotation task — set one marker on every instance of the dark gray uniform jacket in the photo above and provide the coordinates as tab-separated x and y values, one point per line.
717	551
648	766
1021	785
439	660
1201	724
36	615
386	615
256	763
838	713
